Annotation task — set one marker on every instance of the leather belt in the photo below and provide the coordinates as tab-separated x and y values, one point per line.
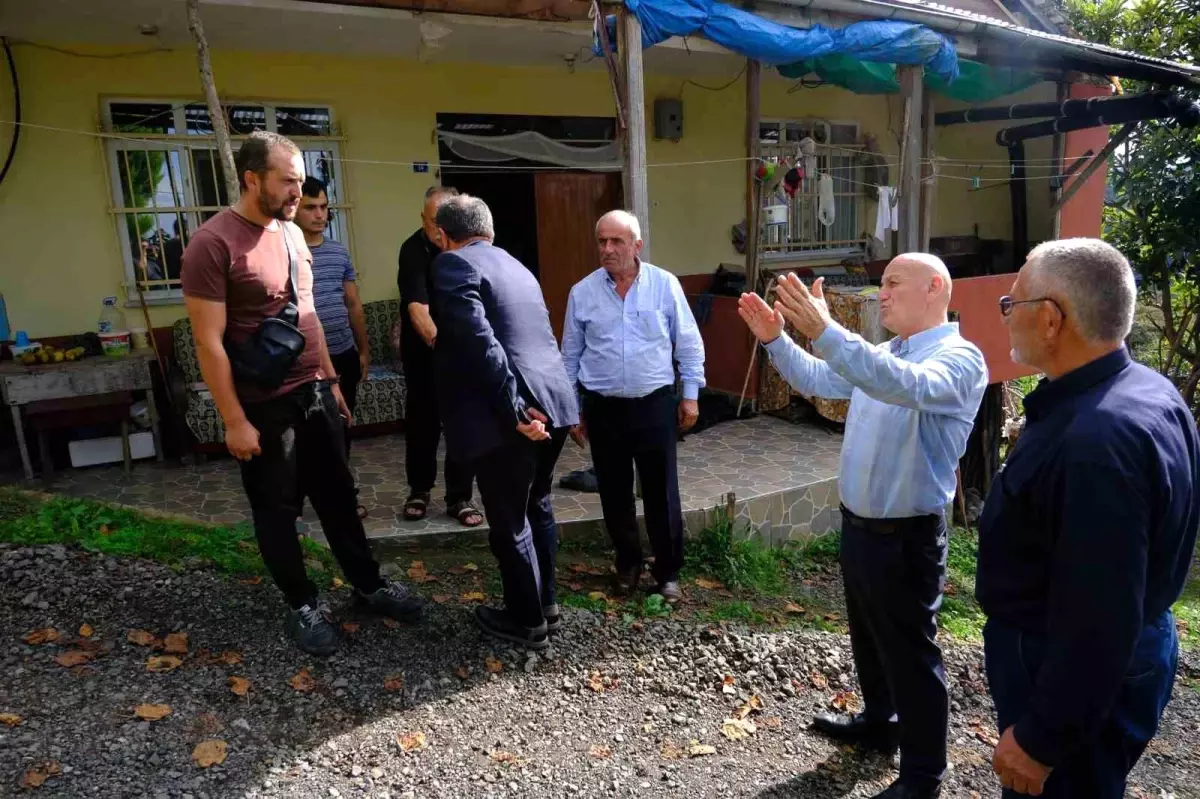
890	526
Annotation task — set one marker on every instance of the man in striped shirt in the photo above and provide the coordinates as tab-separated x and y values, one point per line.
335	294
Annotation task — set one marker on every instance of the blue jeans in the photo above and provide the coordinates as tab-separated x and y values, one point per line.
1099	769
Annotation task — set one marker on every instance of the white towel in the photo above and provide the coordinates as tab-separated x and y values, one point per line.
825	201
887	215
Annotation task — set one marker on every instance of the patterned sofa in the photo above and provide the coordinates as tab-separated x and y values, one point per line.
380	398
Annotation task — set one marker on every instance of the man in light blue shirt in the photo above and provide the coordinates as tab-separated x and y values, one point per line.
912	406
628	326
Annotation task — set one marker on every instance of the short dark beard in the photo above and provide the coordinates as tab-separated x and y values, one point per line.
264	205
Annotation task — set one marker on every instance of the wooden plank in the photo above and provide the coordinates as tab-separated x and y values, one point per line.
215	113
912	90
753	196
637	197
928	178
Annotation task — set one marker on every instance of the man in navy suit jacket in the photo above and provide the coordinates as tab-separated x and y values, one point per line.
507	406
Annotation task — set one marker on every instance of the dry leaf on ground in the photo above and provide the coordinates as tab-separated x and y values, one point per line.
700	750
393	682
506	759
142	638
74	657
441	599
86	630
209	753
411	741
599	683
493	665
350	627
846	702
390	623
575	586
302	681
239	685
819	681
755	703
793	608
737	729
462	672
473	596
336	583
255	580
599	752
772	722
46	635
36	777
598	596
163	663
10	719
176	644
470	567
670	751
228	658
152	712
709	584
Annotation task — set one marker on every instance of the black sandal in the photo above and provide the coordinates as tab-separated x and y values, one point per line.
416	506
461	511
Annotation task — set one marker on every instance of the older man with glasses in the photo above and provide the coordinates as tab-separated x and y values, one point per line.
1086	536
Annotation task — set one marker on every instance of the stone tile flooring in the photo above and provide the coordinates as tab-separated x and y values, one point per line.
753	458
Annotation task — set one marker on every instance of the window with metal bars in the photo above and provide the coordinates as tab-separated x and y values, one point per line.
795	228
167	179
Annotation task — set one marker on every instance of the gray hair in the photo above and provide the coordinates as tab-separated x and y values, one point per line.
440	191
465	217
627	220
1094	279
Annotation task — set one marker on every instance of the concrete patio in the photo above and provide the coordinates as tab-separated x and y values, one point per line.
782	475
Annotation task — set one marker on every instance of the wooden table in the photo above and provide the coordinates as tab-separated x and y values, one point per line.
99	374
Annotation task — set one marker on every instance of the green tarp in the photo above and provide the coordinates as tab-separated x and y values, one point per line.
976	82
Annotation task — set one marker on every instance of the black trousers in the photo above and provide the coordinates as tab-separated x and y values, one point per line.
423	428
623	432
515	481
894	581
302	437
349	370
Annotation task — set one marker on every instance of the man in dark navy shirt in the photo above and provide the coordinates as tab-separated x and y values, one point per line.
1087	534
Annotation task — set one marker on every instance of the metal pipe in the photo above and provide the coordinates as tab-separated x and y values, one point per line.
1092	106
1187	117
1020	208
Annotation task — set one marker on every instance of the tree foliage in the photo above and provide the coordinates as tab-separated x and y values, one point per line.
1153	213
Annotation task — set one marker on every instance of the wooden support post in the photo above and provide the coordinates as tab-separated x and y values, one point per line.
928	176
637	197
912	90
215	112
753	195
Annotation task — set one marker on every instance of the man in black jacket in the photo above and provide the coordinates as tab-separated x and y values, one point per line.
1086	536
504	396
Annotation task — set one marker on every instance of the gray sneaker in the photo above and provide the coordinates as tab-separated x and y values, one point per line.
311	627
394	600
553	615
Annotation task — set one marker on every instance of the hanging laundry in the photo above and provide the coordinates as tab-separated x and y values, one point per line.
887	215
806	148
791	181
825	200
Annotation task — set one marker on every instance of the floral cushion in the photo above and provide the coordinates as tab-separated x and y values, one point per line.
380	397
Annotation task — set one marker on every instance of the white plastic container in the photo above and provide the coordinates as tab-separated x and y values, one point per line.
91	451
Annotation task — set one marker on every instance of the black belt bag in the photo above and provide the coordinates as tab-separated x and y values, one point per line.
266	358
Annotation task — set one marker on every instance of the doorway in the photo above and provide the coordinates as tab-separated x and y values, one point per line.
511	198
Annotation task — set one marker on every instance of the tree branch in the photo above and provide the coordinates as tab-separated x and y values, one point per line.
215	112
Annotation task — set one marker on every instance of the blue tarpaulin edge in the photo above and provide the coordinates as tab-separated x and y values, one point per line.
884	41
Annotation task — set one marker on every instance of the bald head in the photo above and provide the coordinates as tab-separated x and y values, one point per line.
619	239
915	293
623	220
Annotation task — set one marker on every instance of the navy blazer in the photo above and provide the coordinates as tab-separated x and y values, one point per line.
495	353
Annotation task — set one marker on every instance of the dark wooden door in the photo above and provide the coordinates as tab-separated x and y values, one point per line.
568	205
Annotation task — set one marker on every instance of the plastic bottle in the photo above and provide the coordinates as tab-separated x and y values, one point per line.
114	335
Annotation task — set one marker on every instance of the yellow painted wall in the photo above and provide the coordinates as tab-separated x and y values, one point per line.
60	253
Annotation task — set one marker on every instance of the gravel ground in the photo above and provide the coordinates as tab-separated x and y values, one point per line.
615	708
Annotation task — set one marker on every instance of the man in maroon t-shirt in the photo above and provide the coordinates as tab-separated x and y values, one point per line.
290	440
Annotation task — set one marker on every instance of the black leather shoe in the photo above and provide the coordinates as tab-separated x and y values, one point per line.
898	790
628	581
856	729
498	623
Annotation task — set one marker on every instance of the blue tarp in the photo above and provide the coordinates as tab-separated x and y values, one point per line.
885	41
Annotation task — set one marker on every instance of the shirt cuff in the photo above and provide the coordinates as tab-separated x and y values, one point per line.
691	390
1038	742
779	346
830	341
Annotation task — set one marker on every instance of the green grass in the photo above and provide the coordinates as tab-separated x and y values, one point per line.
735	610
724	550
1187	612
961	615
27	519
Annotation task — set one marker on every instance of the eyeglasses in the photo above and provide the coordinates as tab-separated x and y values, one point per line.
1007	303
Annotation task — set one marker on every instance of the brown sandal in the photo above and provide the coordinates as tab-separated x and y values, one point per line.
461	511
416	506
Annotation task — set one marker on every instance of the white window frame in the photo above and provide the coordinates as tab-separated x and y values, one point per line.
789	249
163	292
